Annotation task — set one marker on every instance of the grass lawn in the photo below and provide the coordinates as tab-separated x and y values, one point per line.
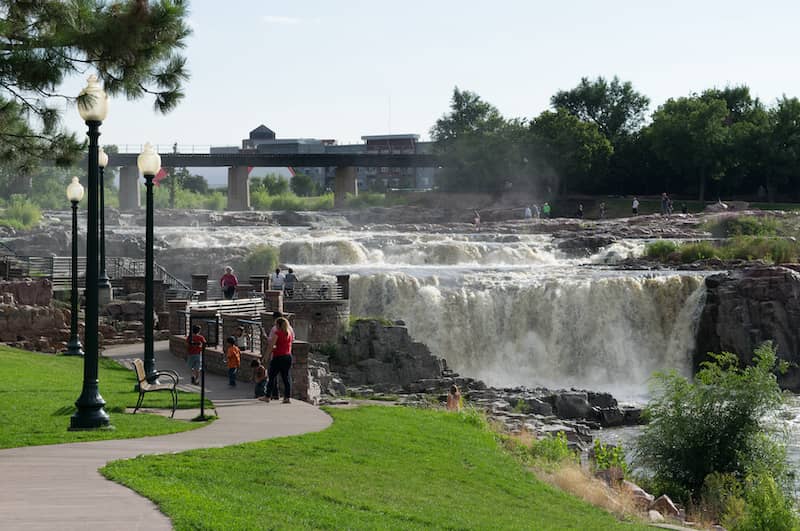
374	468
38	393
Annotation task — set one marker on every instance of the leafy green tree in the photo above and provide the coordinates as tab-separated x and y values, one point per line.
272	184
569	147
131	44
614	106
303	185
690	134
714	424
781	159
480	150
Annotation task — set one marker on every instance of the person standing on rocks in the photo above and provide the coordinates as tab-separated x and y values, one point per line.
579	213
528	213
476	220
280	349
228	283
546	209
635	206
602	210
664	204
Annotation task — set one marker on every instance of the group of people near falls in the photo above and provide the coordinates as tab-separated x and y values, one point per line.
275	363
277	281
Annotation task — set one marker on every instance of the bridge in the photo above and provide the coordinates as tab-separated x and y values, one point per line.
238	165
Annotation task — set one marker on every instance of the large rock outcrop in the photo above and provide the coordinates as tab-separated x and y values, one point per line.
747	307
377	354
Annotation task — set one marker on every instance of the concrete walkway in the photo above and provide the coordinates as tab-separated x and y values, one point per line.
59	487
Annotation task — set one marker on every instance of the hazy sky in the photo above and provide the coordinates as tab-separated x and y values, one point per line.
341	69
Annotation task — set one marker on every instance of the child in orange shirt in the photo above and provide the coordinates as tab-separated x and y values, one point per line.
234	356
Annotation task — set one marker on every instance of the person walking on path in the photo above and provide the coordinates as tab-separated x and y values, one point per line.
195	345
280	347
276	280
234	357
635	206
228	282
260	378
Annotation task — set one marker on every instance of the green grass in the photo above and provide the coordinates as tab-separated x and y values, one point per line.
769	249
38	392
20	214
375	468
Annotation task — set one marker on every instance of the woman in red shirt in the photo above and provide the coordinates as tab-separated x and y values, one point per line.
228	282
280	347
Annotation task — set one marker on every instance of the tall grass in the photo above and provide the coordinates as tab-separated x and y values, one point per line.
20	214
769	249
261	200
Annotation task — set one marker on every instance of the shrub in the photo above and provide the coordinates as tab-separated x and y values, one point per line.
215	201
691	252
261	260
21	213
552	450
365	199
713	424
766	508
261	200
750	226
660	250
609	456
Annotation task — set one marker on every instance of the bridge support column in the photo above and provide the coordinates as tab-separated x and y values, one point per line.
238	188
129	192
346	183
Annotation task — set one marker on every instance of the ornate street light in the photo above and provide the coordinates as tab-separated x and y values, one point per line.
74	194
103	283
149	162
93	108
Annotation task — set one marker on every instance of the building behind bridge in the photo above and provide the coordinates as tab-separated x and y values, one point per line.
264	140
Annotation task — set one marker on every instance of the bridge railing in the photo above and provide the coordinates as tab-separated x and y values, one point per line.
314	291
194	149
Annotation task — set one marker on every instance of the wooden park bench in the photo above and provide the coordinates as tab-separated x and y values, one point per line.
146	387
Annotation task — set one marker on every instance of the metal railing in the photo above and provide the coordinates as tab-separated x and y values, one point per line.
314	291
199	149
59	270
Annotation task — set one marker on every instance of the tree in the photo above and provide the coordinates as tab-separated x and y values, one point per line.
782	158
303	185
480	150
568	146
715	424
615	107
691	135
131	44
273	184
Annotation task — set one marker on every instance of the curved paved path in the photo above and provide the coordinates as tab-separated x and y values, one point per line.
59	487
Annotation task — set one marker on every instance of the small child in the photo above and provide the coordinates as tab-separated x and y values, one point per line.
454	399
195	345
234	356
260	377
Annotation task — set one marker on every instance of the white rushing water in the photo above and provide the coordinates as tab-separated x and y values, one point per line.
508	309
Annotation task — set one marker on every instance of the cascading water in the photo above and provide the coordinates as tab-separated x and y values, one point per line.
510	309
606	333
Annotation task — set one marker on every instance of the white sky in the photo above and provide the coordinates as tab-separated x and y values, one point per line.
342	69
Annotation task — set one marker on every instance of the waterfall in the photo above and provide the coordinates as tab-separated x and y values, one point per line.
601	333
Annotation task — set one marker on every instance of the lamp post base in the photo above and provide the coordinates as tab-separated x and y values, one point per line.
90	412
74	347
105	293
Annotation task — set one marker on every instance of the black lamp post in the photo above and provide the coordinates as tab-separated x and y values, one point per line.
93	107
74	194
149	162
103	283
